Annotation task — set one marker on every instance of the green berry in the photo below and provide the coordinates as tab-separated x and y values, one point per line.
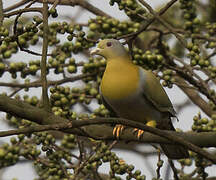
2	153
93	26
71	69
7	54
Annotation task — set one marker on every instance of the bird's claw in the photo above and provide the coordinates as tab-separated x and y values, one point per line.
140	132
118	130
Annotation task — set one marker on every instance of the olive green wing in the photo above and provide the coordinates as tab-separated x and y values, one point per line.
155	94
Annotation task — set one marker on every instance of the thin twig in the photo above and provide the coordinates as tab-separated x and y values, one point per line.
82	3
16	5
194	96
13	13
83	164
55	4
15	28
49	83
211	55
81	149
159	165
14	92
46	104
145	26
175	172
163	22
190	69
1	13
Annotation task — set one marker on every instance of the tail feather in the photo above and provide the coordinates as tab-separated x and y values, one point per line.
174	151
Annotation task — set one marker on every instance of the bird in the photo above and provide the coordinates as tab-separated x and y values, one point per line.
136	94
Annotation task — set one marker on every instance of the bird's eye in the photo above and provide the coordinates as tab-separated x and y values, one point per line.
109	44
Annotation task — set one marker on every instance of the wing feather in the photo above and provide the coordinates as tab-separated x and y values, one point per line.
155	93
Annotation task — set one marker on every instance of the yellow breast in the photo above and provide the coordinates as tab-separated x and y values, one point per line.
120	79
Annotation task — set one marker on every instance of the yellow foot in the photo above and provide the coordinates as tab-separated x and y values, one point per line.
140	132
118	130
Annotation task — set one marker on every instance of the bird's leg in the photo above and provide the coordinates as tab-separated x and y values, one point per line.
118	130
151	123
140	132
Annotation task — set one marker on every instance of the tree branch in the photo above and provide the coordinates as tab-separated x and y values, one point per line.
45	97
1	13
49	83
165	24
26	111
145	26
195	97
13	13
16	5
82	3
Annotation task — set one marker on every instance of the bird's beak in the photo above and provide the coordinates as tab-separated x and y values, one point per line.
95	51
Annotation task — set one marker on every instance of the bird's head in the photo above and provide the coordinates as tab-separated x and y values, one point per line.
109	49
